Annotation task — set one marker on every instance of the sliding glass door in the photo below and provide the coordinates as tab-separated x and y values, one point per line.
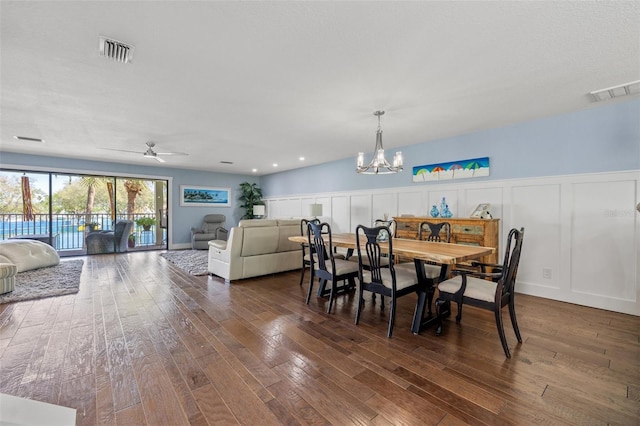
62	209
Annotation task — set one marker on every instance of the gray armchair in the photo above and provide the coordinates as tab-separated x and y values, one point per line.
211	229
110	241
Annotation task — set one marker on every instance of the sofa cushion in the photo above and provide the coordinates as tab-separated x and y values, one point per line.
259	240
286	231
28	254
289	222
257	223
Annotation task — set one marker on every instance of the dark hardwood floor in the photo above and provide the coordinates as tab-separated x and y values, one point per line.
144	343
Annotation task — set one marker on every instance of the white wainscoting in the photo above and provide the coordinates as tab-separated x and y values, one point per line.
582	232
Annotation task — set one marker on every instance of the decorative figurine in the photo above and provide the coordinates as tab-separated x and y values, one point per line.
434	211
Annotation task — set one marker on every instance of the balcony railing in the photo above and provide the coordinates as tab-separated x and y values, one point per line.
66	232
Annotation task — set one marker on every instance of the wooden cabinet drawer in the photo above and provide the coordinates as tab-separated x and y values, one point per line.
467	229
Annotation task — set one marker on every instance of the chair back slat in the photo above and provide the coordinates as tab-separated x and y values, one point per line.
512	262
429	231
374	252
319	246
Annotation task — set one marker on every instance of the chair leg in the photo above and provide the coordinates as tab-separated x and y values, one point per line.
360	303
439	315
392	316
304	267
503	339
310	288
514	321
334	290
381	302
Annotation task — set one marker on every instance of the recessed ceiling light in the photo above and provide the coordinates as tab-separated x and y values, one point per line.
275	164
301	158
28	139
254	170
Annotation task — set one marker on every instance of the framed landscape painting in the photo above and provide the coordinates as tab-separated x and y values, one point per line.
204	196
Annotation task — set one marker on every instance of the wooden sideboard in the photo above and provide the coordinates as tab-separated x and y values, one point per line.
471	231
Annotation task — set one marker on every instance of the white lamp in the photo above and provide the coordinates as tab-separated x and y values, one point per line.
315	210
258	211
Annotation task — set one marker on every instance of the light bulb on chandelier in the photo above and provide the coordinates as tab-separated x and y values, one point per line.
378	164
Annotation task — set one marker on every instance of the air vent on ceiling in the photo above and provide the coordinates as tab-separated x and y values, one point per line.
226	162
116	50
625	89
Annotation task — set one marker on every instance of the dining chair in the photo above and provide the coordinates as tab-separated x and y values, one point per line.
430	231
379	278
325	265
433	272
491	291
306	252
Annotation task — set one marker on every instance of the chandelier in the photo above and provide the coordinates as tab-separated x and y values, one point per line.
378	164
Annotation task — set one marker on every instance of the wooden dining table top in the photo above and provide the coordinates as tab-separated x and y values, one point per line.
442	253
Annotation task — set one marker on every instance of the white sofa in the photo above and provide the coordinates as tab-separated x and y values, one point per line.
256	247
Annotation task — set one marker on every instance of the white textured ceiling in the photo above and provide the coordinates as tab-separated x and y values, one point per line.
257	83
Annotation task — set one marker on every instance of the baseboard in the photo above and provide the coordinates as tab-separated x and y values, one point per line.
181	246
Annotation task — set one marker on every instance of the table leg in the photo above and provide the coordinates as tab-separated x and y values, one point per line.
425	299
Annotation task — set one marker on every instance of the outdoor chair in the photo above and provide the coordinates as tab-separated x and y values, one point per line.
99	242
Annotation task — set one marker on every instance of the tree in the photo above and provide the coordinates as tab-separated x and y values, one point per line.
134	188
90	182
11	196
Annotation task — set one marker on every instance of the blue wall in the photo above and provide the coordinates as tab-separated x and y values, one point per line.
183	218
601	139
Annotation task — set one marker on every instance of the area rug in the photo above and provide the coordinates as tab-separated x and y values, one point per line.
194	262
58	280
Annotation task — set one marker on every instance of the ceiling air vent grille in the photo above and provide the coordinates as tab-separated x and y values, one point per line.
116	50
631	88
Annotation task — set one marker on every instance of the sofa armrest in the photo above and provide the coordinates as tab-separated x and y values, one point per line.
196	231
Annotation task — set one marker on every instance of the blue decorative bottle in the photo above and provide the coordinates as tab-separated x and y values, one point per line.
434	211
443	207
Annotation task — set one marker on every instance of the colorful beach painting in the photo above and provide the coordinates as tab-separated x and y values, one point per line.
462	169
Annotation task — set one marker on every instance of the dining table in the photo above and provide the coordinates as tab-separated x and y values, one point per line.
445	254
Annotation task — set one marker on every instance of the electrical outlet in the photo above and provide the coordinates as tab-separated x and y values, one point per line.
546	273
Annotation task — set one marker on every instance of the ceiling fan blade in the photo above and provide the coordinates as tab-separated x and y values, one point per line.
122	150
158	159
171	153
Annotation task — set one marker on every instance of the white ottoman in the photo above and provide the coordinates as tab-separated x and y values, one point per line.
8	273
28	254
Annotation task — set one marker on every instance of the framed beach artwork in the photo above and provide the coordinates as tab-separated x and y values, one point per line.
461	169
204	196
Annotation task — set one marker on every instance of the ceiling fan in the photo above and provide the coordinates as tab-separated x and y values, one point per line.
150	153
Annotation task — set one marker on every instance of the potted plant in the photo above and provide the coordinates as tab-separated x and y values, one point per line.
131	241
92	226
250	195
145	222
